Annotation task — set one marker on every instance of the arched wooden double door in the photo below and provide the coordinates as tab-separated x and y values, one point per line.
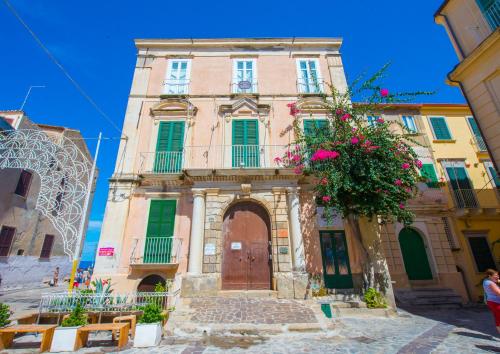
246	261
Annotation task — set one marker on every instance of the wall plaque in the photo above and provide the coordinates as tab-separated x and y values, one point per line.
236	245
209	249
283	250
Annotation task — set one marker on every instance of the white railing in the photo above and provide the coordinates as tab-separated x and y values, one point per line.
216	157
156	250
244	86
479	143
176	87
310	86
464	198
492	14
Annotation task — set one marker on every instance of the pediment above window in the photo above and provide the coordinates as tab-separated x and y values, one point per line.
312	105
174	107
245	106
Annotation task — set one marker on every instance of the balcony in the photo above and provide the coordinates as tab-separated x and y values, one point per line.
240	157
310	86
244	87
156	252
176	87
479	143
464	198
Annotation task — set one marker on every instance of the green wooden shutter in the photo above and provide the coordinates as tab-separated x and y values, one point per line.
246	151
494	175
429	173
474	127
312	126
169	147
440	128
160	231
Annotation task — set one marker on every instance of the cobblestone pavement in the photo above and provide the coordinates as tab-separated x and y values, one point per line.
250	310
450	331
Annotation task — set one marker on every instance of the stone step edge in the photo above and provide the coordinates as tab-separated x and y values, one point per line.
187	329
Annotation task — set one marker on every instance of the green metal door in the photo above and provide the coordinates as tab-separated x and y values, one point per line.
336	267
169	147
414	255
159	235
245	148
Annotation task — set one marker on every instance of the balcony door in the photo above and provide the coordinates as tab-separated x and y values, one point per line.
244	76
461	186
309	79
245	143
477	134
160	231
169	147
177	81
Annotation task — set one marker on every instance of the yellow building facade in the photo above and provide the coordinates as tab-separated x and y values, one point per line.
465	172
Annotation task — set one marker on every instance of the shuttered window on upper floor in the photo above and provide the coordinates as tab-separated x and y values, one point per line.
440	128
429	173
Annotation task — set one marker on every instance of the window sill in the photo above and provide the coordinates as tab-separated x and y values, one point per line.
444	141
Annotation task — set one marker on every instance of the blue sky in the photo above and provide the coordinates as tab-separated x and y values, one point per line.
94	41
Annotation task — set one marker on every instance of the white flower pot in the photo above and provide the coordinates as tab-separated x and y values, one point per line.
147	334
64	339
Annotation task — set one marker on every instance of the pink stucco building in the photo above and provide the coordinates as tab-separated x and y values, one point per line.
197	191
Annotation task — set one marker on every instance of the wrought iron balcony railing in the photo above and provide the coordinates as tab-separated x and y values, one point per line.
156	250
244	86
217	157
464	198
310	86
479	143
176	87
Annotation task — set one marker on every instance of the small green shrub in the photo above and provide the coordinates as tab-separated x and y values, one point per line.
76	318
374	299
4	315
160	288
152	314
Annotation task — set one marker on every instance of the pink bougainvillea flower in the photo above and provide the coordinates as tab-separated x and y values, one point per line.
401	206
324	155
380	120
345	117
408	190
339	111
384	92
324	181
295	158
277	159
386	191
405	166
398	182
418	163
354	129
354	140
298	170
326	198
293	109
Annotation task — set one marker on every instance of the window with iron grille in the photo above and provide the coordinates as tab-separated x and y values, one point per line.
6	237
452	240
23	184
48	242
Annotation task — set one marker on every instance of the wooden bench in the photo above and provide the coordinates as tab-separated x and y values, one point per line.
130	318
82	335
47	331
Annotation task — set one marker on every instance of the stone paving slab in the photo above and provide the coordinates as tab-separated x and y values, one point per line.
250	310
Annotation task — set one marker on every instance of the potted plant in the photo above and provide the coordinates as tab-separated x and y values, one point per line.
148	331
65	336
4	315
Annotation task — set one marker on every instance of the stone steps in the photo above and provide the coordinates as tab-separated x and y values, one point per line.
248	293
428	298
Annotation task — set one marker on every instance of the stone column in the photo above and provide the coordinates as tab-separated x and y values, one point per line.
197	231
298	261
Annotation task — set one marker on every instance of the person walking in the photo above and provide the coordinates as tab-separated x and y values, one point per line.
492	294
56	276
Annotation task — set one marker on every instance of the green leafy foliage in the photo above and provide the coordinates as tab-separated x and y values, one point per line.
152	313
160	288
76	318
4	315
374	299
360	168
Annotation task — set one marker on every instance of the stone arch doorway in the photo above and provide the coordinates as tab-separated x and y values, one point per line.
246	249
148	283
414	255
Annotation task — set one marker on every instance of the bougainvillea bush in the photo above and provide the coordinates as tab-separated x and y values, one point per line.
360	168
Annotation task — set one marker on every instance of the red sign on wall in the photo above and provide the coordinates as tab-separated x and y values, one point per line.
106	251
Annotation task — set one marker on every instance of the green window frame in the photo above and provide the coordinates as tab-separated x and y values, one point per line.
313	126
429	172
160	231
440	128
169	147
245	143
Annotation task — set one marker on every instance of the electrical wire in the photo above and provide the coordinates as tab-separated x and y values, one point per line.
61	67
